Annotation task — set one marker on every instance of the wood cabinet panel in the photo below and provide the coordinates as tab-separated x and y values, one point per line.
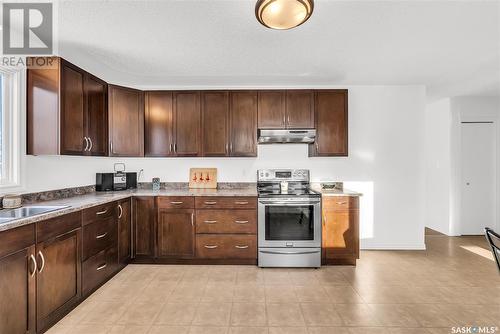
51	228
143	223
159	124
99	268
271	109
225	202
126	121
176	233
99	236
175	202
16	239
58	278
17	286
226	246
331	124
300	109
215	124
96	94
226	221
187	115
124	231
73	128
243	124
100	213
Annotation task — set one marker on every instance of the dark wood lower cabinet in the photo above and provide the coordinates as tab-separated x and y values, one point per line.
124	231
176	231
143	224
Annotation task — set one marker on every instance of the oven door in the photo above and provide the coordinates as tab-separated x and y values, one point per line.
290	222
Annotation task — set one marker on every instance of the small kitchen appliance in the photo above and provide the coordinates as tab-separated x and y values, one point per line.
119	180
289	219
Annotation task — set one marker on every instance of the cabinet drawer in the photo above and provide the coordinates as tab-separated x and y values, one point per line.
12	241
99	213
50	228
229	202
99	268
226	221
99	236
340	203
176	202
229	246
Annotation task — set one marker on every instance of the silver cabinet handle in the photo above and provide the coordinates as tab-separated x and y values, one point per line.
231	147
241	221
101	212
91	144
175	147
111	147
211	246
33	261
100	236
170	147
176	203
102	266
43	261
288	120
241	247
340	203
121	211
210	221
241	203
192	219
284	119
86	144
210	202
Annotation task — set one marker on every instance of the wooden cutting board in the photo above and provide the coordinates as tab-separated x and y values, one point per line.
205	178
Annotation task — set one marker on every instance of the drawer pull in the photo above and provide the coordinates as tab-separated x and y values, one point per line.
176	203
210	202
100	236
241	247
121	211
210	221
102	266
33	261
341	203
43	262
101	212
241	221
211	246
241	203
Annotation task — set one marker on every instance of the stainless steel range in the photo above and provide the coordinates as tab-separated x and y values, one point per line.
289	219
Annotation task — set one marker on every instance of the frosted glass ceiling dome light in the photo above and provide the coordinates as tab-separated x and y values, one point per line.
283	14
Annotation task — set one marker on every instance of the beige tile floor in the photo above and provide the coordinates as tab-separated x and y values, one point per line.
410	292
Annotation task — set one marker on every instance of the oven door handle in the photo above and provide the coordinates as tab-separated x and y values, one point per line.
290	253
289	203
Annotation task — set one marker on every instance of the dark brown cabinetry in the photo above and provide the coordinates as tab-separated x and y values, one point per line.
291	109
143	226
66	110
187	115
124	231
243	124
126	121
272	112
331	124
215	123
340	229
159	124
18	280
58	282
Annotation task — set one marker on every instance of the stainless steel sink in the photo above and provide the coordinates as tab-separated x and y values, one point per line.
27	211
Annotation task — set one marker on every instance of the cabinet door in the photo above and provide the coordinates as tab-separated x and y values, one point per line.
72	110
17	283
96	93
187	115
126	121
300	109
243	124
158	124
176	233
271	107
124	231
143	223
215	124
58	278
331	124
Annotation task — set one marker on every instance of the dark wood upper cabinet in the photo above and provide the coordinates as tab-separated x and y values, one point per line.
187	124
243	124
143	226
66	110
126	121
176	233
300	109
331	124
215	124
159	124
271	106
124	231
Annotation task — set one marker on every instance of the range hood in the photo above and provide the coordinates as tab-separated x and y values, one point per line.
299	136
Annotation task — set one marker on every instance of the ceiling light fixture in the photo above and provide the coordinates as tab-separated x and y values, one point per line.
283	14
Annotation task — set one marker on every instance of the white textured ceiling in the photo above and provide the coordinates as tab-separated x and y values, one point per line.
452	47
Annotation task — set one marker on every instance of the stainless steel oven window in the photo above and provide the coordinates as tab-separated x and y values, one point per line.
289	222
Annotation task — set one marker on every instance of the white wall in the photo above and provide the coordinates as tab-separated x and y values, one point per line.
385	163
442	151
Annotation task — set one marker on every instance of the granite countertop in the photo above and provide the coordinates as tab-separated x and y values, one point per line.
81	202
335	192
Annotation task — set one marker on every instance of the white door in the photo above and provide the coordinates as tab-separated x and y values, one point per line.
478	177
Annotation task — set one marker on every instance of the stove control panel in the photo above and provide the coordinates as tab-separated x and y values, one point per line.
277	175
